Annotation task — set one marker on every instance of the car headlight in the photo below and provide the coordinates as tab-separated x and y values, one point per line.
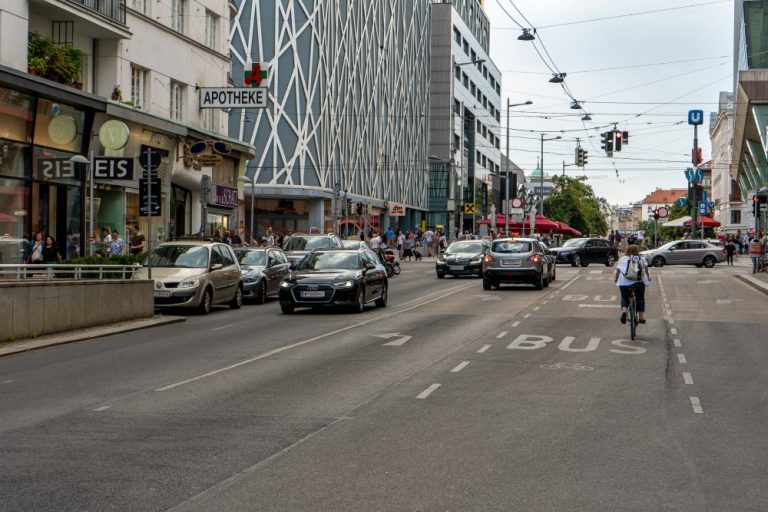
285	284
345	284
190	283
479	259
441	259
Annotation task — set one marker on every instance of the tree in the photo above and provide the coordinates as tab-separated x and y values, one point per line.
573	201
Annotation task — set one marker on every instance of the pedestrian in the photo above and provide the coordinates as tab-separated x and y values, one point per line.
755	252
138	242
730	249
269	238
428	236
375	242
408	246
117	245
51	251
34	253
234	238
400	243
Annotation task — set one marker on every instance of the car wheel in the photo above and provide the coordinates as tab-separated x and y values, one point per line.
287	308
396	269
261	293
486	284
545	280
360	301
237	300
381	302
575	260
540	283
709	261
496	286
440	275
610	260
658	261
205	304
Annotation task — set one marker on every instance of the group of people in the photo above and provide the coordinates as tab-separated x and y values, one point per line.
406	243
113	245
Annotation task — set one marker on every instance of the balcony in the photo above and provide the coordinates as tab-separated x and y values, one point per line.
111	9
101	19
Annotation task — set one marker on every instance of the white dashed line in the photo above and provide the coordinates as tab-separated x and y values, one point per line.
545	302
536	308
483	349
222	327
687	378
677	343
515	324
696	404
673	331
671	321
460	367
424	394
7	381
501	335
682	359
102	408
527	315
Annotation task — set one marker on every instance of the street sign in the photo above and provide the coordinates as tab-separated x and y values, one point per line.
146	201
695	117
663	212
516	211
681	202
109	168
150	157
694	174
396	209
233	97
57	169
703	207
516	202
469	208
337	188
711	204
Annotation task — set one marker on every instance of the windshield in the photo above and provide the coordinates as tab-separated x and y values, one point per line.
511	247
466	247
252	257
351	244
576	242
330	261
179	256
307	244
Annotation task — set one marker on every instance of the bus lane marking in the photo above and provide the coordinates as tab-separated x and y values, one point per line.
424	394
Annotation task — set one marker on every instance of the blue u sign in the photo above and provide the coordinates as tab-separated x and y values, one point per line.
695	117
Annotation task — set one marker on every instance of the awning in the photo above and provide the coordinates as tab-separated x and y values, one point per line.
678	223
708	222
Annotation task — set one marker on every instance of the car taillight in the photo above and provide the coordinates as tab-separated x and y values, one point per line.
535	258
488	259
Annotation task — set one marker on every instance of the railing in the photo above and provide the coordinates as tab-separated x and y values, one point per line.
112	9
62	272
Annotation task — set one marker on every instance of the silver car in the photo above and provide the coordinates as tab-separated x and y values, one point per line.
518	260
685	252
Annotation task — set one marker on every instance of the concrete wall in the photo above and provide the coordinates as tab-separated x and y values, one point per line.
35	308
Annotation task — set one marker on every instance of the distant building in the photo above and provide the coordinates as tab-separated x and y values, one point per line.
730	208
660	197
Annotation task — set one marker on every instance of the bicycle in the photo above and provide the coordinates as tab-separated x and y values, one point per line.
632	314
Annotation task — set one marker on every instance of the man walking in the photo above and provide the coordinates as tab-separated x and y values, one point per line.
138	241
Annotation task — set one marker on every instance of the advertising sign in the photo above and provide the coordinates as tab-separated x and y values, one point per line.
396	209
109	168
233	97
225	196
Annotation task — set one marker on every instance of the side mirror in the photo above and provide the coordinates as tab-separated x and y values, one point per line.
370	266
217	266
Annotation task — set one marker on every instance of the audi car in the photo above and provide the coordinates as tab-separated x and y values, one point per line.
462	258
332	278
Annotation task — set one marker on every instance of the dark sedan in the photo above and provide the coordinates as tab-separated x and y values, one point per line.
262	270
462	258
583	251
335	278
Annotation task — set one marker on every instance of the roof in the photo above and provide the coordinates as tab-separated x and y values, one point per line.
665	196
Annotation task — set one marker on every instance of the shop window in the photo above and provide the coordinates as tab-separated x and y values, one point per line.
14	212
59	126
14	159
16	114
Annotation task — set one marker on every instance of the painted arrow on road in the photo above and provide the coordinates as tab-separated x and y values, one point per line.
401	338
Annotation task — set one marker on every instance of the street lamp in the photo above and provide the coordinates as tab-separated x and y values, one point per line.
506	169
80	159
246	179
541	192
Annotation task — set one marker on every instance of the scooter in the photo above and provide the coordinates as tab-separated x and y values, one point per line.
388	258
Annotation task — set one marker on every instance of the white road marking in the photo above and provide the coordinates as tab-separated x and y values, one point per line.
545	302
527	315
400	340
102	408
671	321
673	331
460	367
613	306
424	394
682	359
483	349
7	381
569	283
501	335
536	308
677	343
696	404
316	338
222	327
687	378
515	324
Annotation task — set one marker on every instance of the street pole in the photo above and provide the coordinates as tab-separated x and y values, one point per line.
91	199
694	157
505	207
253	199
541	192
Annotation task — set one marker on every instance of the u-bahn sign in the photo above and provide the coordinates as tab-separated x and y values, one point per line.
233	97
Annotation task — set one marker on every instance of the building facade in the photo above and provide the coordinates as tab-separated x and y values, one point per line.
464	114
346	120
730	208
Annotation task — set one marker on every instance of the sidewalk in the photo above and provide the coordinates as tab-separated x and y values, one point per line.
15	347
758	281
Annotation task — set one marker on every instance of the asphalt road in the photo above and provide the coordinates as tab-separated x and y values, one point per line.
451	398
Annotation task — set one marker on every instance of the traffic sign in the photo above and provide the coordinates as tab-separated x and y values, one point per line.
469	208
516	202
681	202
711	204
703	207
695	117
150	157
516	211
663	212
147	201
694	174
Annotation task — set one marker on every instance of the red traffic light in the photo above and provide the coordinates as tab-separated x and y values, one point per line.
618	135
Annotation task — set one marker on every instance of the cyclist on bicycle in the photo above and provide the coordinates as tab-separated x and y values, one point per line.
632	275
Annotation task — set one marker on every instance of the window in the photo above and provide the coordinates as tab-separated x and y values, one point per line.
457	35
137	86
465	80
141	5
466	46
472	88
208	119
177	15
473	56
177	101
457	72
479	157
485	132
456	106
479	127
498	89
211	30
735	216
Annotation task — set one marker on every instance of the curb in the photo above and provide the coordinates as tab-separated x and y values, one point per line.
26	345
755	283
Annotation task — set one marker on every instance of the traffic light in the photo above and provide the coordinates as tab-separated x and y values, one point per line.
617	140
581	157
584	157
606	143
656	214
696	156
625	138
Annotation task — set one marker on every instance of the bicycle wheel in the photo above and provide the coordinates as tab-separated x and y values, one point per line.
632	313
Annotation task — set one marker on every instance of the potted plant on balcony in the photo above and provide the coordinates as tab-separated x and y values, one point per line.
117	94
61	64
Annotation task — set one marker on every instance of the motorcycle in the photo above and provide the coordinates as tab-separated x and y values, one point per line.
388	258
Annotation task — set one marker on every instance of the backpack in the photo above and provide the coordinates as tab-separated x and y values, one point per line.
634	269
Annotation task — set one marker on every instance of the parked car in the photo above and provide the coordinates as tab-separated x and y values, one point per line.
262	270
685	252
299	245
517	260
335	278
583	251
462	258
354	244
12	250
194	274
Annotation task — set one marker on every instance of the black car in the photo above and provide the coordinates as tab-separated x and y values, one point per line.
297	246
462	258
335	278
583	251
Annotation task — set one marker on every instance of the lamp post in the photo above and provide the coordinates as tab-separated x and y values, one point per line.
80	159
246	179
505	207
541	192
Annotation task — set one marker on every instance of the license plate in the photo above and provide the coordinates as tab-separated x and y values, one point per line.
308	295
162	294
456	267
510	263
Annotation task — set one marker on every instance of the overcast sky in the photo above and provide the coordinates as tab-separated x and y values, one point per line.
659	150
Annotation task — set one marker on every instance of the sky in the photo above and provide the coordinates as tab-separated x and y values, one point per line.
649	97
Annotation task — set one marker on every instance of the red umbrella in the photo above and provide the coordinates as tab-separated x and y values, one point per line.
708	222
